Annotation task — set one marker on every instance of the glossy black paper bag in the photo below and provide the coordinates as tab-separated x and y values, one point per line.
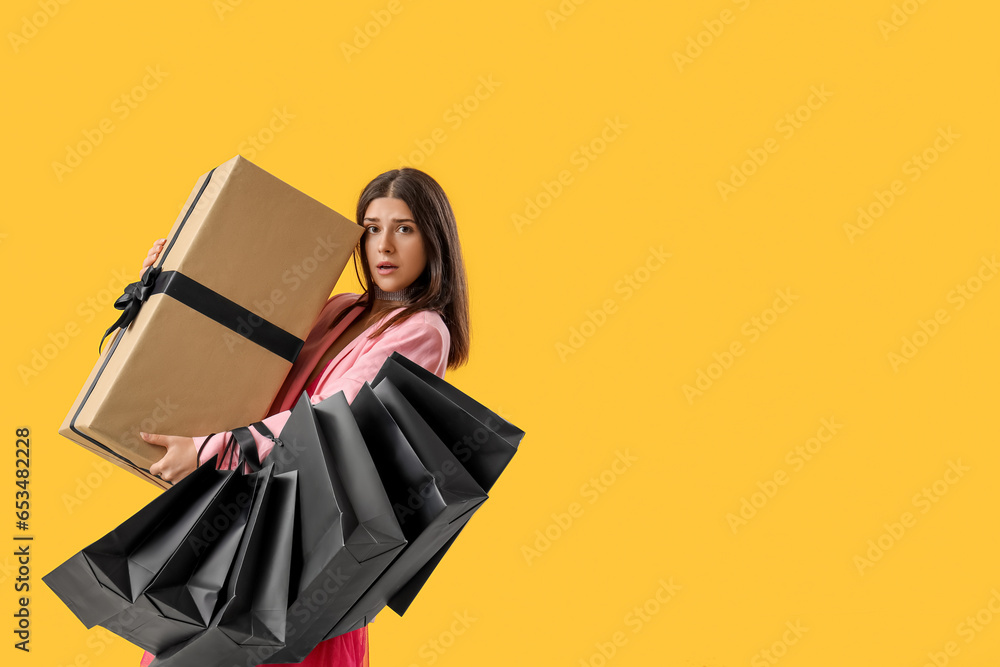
158	576
108	576
348	533
480	439
250	624
430	506
181	600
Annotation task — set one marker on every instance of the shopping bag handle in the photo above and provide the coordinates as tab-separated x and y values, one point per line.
248	448
262	428
226	453
248	445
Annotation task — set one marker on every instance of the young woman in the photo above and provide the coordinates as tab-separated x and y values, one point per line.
415	302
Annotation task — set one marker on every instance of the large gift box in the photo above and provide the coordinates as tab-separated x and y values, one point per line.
209	333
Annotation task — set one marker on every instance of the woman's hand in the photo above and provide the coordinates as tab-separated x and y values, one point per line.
180	460
154	252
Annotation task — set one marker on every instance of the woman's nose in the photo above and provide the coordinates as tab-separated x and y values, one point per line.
384	242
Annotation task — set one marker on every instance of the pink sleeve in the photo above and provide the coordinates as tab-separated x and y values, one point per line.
416	339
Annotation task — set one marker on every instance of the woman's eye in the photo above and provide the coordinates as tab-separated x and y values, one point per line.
405	228
372	227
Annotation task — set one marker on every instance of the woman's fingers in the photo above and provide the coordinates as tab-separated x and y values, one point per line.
155	438
151	256
162	468
180	459
156	469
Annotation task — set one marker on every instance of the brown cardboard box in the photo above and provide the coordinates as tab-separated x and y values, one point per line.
244	274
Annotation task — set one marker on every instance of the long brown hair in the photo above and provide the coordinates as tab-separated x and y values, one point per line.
443	286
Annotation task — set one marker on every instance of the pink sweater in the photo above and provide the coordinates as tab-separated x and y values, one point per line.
423	338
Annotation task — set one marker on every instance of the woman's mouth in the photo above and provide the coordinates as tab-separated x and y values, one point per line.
385	268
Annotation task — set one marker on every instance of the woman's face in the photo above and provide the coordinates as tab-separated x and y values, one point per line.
394	245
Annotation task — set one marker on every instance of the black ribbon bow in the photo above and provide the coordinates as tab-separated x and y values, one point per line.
131	300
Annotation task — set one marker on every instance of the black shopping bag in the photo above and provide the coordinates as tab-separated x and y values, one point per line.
108	576
250	624
482	441
155	580
348	533
429	504
188	586
180	602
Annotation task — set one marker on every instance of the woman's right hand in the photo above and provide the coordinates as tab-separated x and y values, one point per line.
154	252
178	461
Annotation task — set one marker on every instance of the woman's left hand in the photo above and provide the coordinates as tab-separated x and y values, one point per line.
180	460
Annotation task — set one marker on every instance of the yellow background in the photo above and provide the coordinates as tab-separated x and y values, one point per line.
682	128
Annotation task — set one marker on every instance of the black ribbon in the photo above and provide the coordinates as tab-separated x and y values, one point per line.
209	303
131	300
